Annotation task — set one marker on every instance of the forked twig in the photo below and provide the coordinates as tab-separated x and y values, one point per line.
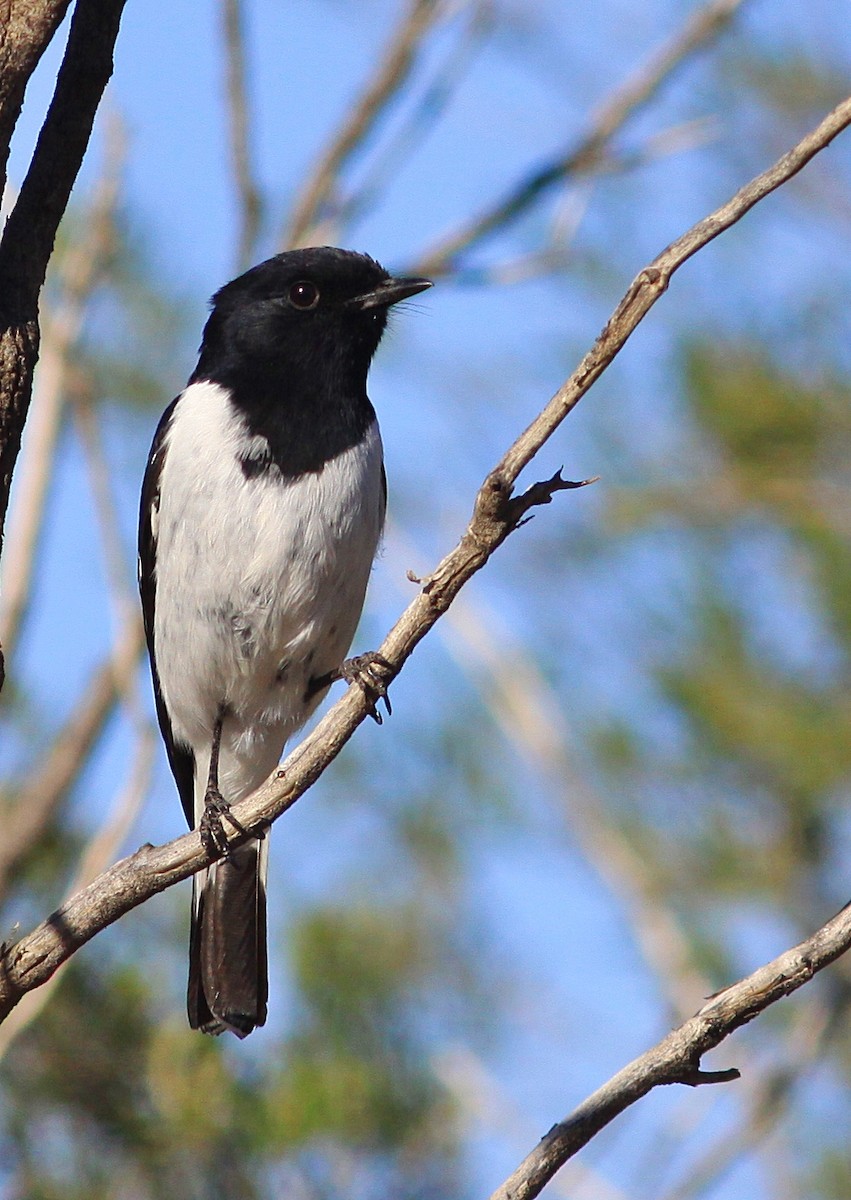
676	1059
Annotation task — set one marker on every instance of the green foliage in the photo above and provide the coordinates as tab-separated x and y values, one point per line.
357	1068
164	1107
768	742
764	420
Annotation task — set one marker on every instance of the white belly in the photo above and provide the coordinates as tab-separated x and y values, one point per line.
259	584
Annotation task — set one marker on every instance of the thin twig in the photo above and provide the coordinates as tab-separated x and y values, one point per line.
528	713
28	237
28	30
385	84
425	113
767	1104
676	1059
585	154
239	128
100	850
124	599
33	805
79	273
496	514
477	1094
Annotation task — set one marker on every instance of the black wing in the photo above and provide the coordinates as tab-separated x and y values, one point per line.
181	759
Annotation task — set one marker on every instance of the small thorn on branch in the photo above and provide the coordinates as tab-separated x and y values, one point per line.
542	492
695	1077
426	582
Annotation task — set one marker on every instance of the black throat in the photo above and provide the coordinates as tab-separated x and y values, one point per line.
298	413
297	433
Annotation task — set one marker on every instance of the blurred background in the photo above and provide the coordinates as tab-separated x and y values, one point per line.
617	774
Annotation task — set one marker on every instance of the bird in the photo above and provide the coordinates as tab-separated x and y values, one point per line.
261	511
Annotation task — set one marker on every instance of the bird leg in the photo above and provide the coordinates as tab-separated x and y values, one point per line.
215	805
362	670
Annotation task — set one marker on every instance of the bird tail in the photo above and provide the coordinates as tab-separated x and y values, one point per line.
228	973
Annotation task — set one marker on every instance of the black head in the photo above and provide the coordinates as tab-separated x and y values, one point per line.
292	340
304	313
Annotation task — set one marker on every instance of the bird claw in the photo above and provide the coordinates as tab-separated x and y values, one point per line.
362	670
210	828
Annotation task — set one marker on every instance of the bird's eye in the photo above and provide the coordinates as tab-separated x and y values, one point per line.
304	294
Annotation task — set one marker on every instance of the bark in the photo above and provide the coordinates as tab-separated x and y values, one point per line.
26	30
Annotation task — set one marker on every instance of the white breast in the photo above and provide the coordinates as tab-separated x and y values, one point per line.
259	582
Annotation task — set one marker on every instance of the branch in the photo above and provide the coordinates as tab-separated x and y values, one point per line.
34	804
478	1097
79	272
424	114
529	716
25	34
588	152
762	1122
496	514
100	849
653	281
676	1059
247	189
27	241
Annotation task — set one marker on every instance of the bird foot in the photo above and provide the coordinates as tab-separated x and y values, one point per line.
361	669
365	670
210	827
